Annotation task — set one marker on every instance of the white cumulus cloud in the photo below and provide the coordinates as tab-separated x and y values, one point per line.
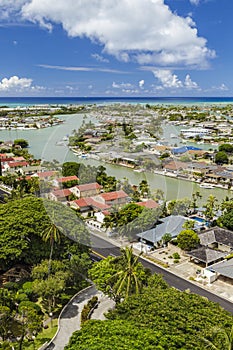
145	31
141	83
189	84
167	78
99	58
15	83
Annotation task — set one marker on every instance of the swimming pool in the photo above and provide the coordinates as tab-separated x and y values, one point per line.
197	218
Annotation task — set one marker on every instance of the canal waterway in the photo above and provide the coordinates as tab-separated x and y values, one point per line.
43	145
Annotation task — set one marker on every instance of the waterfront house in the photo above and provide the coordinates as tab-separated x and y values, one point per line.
175	166
184	149
193	132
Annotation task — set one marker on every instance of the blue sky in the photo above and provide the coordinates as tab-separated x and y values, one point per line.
116	48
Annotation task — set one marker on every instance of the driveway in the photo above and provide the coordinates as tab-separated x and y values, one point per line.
70	320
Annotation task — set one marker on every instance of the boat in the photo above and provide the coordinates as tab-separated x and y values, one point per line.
207	186
61	143
139	170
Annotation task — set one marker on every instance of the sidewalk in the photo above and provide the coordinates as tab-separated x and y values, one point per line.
185	270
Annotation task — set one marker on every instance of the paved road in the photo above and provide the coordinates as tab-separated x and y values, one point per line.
70	319
70	316
105	248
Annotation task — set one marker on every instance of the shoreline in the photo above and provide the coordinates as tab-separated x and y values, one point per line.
156	172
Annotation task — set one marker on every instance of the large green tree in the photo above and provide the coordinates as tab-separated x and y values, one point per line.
53	235
121	276
160	317
211	207
221	158
220	339
24	221
179	206
188	239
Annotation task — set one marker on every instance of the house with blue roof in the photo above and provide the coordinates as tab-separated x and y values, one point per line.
184	149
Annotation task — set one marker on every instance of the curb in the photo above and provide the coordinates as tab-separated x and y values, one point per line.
45	345
190	281
166	269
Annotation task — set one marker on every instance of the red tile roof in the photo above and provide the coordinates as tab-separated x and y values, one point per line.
110	196
83	202
17	164
106	212
90	202
6	159
3	155
44	174
149	204
62	193
88	187
18	159
99	205
67	178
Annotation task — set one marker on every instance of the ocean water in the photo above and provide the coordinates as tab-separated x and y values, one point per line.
31	101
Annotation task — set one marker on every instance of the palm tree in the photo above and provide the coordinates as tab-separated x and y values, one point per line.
128	279
53	235
222	338
195	196
211	208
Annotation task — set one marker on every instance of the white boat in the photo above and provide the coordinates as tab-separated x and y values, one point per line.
139	170
207	186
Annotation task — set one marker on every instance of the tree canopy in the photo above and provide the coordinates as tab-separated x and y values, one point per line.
23	223
121	276
160	317
188	239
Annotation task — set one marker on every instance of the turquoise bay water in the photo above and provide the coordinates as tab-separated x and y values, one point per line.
43	145
25	101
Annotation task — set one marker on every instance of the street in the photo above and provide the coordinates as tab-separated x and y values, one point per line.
101	247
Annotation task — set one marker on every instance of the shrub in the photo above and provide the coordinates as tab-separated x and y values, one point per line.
21	297
30	305
88	308
11	286
176	255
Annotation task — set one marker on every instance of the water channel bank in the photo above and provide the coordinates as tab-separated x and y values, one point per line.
43	144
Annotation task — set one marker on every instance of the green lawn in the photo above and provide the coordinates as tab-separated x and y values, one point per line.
45	336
